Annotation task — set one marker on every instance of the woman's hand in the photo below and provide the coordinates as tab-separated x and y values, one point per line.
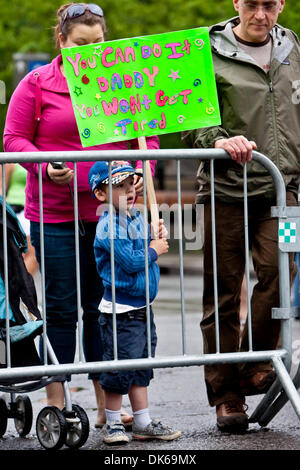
63	176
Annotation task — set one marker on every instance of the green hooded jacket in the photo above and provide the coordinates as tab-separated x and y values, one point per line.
262	107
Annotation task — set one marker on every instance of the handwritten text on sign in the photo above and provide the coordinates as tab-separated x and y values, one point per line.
142	86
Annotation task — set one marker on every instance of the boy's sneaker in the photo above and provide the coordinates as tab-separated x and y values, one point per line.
155	430
114	433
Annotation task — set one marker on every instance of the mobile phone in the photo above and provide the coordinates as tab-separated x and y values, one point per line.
58	165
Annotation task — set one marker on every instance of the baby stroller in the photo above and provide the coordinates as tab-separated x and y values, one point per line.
54	427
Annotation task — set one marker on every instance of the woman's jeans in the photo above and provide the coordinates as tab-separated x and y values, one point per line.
60	287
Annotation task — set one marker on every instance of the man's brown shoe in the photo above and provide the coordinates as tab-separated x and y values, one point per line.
257	383
231	416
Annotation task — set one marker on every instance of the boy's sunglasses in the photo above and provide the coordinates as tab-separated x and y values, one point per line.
79	9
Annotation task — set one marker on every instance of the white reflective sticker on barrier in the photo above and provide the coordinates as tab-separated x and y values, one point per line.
287	232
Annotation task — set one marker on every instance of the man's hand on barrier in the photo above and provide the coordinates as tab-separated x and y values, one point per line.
63	176
239	148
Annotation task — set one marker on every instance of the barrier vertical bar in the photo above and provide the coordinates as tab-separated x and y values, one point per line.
179	203
5	260
145	169
42	254
214	249
285	302
112	262
284	284
246	226
77	261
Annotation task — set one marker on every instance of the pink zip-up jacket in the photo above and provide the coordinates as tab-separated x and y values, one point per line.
40	117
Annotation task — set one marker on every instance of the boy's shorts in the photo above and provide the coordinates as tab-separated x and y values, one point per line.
132	344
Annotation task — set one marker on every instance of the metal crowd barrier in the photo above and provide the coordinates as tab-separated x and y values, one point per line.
282	390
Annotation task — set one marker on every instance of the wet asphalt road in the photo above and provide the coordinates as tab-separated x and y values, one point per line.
177	395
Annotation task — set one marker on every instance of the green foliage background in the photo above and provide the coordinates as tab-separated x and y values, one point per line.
27	26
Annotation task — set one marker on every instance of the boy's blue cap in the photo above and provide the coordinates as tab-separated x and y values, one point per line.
99	173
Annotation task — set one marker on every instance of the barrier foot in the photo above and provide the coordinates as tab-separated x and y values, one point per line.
284	381
279	403
266	402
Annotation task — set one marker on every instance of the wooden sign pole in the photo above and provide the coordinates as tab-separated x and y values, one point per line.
150	187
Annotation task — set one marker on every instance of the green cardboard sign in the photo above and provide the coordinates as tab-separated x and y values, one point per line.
143	86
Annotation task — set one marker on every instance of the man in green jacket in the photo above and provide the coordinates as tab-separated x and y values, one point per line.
257	66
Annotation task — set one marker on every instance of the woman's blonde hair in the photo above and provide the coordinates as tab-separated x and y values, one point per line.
66	27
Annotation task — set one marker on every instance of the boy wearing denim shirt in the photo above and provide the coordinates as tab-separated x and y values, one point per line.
130	305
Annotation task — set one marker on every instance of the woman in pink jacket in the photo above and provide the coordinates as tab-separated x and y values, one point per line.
41	118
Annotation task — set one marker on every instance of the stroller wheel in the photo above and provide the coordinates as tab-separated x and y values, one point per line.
23	421
3	417
78	427
51	427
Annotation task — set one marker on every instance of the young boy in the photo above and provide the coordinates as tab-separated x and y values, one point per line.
130	304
